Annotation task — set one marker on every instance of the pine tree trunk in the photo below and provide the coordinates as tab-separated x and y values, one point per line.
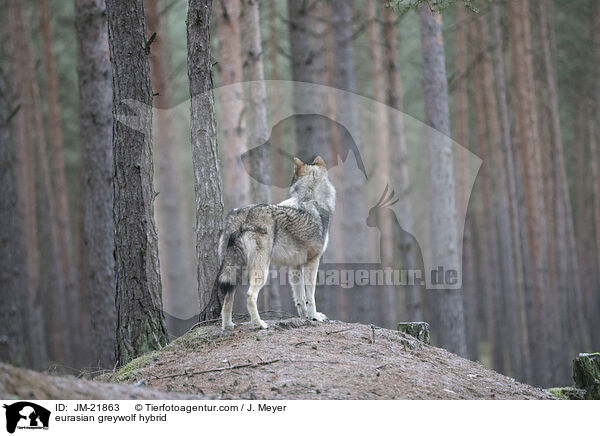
20	80
509	296
233	121
583	191
96	130
594	319
258	130
52	286
349	219
51	290
175	242
387	302
487	212
307	66
530	155
449	303
207	176
13	262
461	136
140	321
554	236
273	50
522	371
504	299
57	162
568	293
412	309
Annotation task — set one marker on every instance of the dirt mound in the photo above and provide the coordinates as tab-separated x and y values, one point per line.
299	359
23	384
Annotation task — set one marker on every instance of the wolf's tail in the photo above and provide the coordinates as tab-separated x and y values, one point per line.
233	260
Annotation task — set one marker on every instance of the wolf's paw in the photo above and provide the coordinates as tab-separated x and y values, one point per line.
229	326
260	324
318	316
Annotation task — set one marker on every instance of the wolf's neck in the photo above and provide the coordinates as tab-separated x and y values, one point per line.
322	195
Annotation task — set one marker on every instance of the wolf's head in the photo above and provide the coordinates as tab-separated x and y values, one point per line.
310	183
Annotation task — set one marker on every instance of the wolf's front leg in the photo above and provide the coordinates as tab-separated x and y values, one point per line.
296	279
311	269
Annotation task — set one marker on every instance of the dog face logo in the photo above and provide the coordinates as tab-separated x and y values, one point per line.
26	415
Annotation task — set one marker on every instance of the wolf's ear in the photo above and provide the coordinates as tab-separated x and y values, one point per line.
298	166
319	161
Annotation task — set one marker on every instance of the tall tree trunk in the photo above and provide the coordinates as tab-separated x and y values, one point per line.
568	293
258	130
461	135
449	303
583	189
233	121
307	65
207	176
59	183
140	321
594	319
511	324
277	163
555	236
20	80
349	219
14	346
523	371
96	130
175	235
487	212
387	301
413	309
51	285
527	130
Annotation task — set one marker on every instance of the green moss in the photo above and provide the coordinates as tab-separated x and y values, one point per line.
567	393
130	370
198	338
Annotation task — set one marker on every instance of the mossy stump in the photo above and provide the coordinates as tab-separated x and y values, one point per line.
586	373
419	330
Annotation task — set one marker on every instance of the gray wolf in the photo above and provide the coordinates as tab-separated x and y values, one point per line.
293	233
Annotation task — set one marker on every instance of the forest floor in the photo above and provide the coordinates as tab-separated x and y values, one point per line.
300	359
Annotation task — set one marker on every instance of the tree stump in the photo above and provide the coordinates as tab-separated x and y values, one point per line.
586	373
419	330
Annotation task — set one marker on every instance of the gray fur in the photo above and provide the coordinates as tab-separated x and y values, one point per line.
293	233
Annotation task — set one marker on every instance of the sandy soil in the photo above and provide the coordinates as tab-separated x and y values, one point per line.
299	359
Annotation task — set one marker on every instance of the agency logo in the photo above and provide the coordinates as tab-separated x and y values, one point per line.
26	415
402	187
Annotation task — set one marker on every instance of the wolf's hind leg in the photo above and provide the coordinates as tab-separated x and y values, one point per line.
311	269
227	323
258	278
296	279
